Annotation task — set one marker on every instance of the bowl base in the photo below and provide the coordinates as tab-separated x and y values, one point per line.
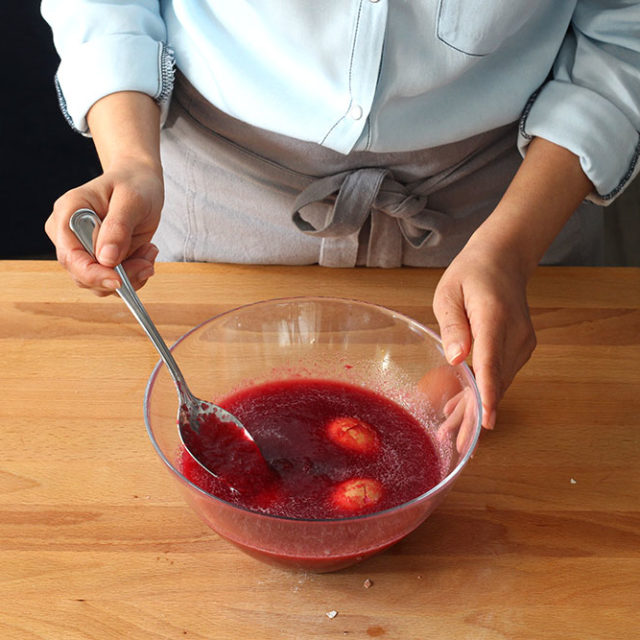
309	564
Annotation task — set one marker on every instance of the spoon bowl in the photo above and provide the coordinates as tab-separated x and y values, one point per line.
215	438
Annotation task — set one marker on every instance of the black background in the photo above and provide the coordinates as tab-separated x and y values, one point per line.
41	157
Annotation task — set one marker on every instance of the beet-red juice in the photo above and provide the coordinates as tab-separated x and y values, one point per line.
334	450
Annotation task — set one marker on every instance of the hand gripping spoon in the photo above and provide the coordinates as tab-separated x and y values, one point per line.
214	437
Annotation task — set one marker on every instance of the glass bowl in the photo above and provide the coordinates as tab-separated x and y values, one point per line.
319	338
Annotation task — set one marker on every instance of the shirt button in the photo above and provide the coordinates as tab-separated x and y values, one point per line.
355	112
373	1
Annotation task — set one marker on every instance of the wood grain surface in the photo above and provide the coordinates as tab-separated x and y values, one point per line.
540	538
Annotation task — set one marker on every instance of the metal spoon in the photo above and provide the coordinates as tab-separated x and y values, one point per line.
198	420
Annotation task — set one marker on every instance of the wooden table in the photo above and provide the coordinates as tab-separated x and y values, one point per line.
539	539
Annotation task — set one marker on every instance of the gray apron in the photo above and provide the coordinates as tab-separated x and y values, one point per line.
239	194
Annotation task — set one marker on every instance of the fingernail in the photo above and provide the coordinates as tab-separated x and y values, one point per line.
108	254
490	422
454	351
110	284
145	274
151	253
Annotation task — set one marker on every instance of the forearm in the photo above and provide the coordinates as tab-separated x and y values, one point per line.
546	190
125	126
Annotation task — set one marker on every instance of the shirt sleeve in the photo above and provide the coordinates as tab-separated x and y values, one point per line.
106	47
591	104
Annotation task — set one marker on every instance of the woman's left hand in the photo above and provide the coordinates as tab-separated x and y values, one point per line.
480	301
481	297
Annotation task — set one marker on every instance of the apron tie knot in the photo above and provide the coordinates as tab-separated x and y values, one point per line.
392	209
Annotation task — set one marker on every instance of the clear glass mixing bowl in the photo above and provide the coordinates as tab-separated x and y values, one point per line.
319	338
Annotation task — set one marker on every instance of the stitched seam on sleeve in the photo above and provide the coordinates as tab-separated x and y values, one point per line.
627	176
525	115
63	105
166	64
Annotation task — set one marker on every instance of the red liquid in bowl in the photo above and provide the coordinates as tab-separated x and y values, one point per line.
335	451
312	460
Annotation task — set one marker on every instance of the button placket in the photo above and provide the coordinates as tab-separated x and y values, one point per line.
363	72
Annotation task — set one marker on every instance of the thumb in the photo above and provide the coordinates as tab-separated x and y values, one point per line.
114	239
455	330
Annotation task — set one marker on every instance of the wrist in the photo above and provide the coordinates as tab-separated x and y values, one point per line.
512	234
501	249
125	127
130	161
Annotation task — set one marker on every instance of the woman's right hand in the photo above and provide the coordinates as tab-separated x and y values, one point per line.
128	197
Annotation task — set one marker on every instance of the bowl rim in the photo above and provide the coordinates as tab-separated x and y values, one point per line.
438	488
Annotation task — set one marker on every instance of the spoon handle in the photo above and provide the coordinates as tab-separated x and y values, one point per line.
85	223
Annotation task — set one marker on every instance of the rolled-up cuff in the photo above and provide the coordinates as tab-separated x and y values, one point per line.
591	127
107	65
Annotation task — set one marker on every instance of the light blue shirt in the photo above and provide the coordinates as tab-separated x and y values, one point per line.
377	75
